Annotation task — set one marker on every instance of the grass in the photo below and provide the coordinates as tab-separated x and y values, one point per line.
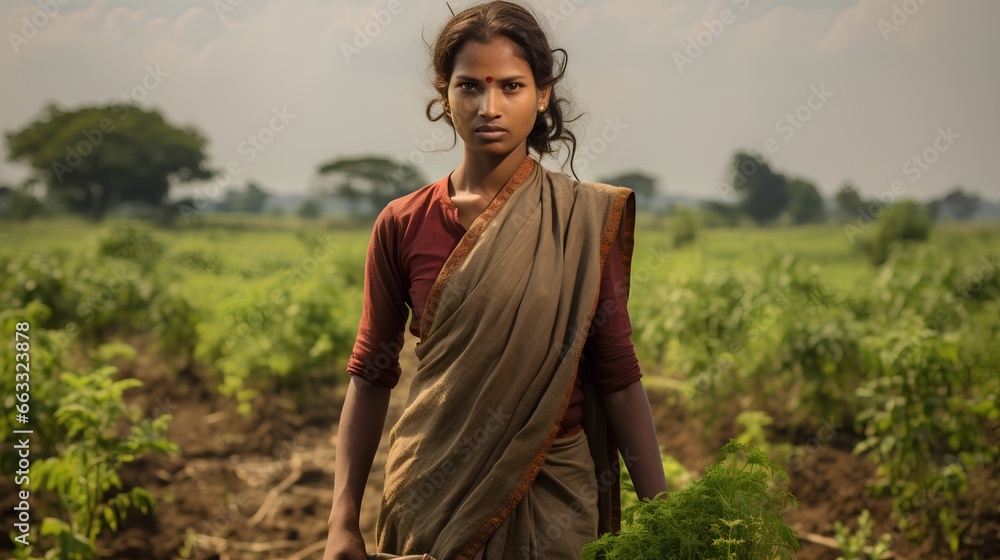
250	246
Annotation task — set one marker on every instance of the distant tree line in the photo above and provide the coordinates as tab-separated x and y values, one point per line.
95	158
955	205
764	195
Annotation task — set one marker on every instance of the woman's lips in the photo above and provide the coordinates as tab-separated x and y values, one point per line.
488	134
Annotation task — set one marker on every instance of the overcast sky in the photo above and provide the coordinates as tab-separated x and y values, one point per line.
828	90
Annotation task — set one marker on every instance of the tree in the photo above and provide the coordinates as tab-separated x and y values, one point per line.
721	213
684	225
377	179
93	158
643	185
18	204
905	222
310	208
229	203
934	209
848	201
764	192
806	205
253	199
960	205
23	206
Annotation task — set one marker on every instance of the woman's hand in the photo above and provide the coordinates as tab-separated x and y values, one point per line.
345	543
361	422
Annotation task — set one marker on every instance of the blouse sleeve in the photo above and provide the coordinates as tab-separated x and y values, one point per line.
609	349
383	314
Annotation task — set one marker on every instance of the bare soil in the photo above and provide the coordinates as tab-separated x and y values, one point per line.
260	487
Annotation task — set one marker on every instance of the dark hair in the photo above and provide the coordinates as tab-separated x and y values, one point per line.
484	22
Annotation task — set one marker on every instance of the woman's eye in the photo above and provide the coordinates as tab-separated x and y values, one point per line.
472	86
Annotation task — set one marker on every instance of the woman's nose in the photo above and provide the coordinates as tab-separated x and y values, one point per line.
489	105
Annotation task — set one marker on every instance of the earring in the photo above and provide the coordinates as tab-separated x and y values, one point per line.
541	107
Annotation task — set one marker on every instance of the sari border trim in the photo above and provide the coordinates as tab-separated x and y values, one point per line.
624	208
611	229
469	240
623	215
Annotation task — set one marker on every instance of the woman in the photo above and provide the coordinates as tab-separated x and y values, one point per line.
517	278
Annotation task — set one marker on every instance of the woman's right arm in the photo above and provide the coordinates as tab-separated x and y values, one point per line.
374	371
361	423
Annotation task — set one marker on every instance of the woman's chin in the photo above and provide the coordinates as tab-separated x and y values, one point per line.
491	149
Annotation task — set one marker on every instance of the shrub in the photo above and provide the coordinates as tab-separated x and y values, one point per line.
23	206
310	208
683	227
129	243
728	514
905	222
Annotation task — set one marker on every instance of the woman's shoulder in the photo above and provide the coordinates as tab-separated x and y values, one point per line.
403	208
586	189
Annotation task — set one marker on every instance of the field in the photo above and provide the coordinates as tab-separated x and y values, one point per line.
186	383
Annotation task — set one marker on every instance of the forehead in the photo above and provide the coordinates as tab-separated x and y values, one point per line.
498	57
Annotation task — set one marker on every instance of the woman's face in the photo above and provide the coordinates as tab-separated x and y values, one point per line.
491	86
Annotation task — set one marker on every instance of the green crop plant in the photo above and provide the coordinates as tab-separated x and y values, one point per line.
924	425
675	472
858	545
732	513
84	433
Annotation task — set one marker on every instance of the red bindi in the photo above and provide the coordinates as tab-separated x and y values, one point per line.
489	79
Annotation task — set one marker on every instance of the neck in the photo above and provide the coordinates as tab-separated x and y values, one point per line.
486	175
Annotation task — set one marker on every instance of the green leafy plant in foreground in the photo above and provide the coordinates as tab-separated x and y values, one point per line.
732	513
84	474
858	545
676	474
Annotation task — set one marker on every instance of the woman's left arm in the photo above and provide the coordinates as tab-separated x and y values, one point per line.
631	420
617	378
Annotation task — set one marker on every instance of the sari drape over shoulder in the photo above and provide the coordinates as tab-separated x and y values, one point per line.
501	337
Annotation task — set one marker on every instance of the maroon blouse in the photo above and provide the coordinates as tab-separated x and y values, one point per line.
411	240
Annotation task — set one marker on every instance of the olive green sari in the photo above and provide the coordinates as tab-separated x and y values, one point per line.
474	469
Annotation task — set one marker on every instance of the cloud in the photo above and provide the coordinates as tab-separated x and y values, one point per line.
227	74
